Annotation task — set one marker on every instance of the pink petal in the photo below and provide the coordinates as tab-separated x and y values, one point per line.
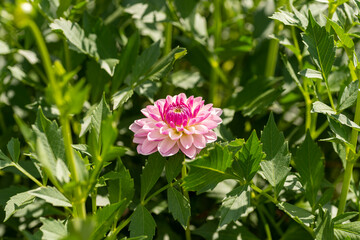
186	141
141	133
171	152
199	141
155	136
134	127
139	140
179	129
217	111
165	145
209	124
189	130
181	98
175	135
210	137
190	152
148	146
201	129
190	101
139	150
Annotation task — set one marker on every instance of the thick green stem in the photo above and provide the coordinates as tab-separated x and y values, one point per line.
79	203
255	188
186	194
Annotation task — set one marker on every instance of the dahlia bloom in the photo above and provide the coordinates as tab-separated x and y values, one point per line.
176	123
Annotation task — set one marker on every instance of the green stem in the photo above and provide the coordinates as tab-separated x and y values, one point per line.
79	203
26	173
159	191
93	201
186	194
271	219
266	225
320	130
67	55
351	158
329	92
168	38
214	78
296	44
255	188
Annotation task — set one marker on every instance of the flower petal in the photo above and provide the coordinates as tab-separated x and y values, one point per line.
201	129
148	147
134	127
138	140
141	133
189	130
210	137
165	145
174	135
186	141
155	136
171	152
190	152
199	141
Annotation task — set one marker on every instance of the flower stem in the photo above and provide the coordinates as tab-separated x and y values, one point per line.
351	158
186	194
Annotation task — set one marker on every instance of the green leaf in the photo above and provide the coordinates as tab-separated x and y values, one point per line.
349	230
105	218
277	169
50	147
16	203
165	64
51	195
300	215
291	19
247	161
127	60
173	166
142	223
151	173
76	96
349	96
234	205
235	231
186	79
13	147
121	97
311	73
4	48
344	217
179	206
341	133
320	107
209	169
271	138
342	35
311	168
320	45
94	118
53	229
145	61
123	186
291	71
5	161
324	226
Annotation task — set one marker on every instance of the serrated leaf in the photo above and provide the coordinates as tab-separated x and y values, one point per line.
325	228
344	217
311	73
5	161
165	64
16	203
271	138
288	18
349	230
123	186
341	133
105	217
342	35
13	147
320	45
179	206
209	169
298	214
121	97
173	166
127	60
145	61
311	168
291	71
142	223
151	173
234	205
349	96
277	168
53	229
51	195
320	107
248	159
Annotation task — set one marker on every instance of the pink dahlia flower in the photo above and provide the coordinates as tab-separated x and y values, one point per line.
176	123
